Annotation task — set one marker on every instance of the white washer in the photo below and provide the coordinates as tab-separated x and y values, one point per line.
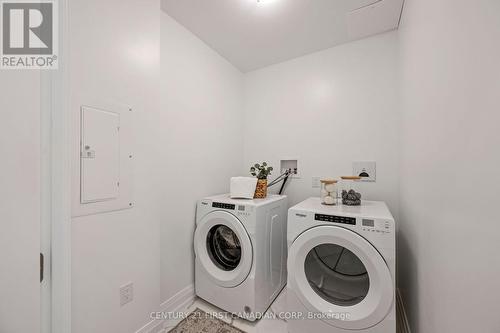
341	268
240	248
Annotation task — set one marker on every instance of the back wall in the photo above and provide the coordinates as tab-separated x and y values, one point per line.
328	109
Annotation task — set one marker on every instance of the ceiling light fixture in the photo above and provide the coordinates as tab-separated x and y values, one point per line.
264	2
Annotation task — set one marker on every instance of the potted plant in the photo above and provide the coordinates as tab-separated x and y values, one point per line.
261	172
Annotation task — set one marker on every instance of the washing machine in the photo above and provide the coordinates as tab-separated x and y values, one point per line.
341	268
240	253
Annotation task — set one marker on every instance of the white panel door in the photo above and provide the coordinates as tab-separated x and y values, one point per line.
20	202
100	155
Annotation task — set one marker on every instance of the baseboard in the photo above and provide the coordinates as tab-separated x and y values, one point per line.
179	301
176	303
154	326
403	325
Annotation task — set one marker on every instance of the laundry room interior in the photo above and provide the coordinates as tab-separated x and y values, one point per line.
255	166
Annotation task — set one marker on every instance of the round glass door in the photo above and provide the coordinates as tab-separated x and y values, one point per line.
336	274
224	247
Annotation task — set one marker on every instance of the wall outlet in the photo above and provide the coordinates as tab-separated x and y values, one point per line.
366	170
316	182
126	293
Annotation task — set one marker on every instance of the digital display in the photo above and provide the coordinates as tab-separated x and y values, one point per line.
368	223
223	205
335	219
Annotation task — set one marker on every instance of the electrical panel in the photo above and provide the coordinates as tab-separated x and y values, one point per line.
103	174
99	155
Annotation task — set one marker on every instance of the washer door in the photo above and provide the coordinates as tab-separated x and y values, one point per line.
223	248
340	277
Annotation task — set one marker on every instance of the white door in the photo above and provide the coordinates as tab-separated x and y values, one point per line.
223	248
338	274
20	203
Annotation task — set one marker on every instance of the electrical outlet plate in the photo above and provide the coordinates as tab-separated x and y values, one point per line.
126	293
316	182
366	170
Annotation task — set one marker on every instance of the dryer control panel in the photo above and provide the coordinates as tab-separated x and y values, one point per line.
377	226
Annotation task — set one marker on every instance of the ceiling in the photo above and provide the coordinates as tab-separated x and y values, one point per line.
252	34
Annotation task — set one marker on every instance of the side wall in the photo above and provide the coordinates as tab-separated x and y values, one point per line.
114	56
450	159
201	117
328	109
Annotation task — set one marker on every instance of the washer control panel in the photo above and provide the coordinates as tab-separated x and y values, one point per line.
243	210
223	205
377	226
335	219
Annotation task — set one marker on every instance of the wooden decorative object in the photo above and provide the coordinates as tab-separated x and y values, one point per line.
261	189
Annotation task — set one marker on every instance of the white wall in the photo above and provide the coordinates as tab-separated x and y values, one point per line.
114	56
201	116
328	109
450	232
20	201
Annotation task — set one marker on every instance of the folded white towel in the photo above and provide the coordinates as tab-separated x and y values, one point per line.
243	187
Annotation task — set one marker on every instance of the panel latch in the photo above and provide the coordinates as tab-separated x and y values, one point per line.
42	262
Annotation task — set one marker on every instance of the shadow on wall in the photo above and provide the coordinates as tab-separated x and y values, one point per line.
407	272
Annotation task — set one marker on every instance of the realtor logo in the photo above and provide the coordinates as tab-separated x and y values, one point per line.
29	34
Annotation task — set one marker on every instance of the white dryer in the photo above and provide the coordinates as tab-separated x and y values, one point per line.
240	247
341	268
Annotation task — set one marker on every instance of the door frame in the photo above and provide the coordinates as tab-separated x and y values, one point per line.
55	219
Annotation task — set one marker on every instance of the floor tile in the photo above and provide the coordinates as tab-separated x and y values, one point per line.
269	324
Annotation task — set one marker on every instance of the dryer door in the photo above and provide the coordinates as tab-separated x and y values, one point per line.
223	248
340	277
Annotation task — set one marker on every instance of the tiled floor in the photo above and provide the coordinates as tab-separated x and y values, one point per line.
265	325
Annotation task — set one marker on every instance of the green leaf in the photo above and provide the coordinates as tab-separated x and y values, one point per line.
252	169
264	164
271	169
257	166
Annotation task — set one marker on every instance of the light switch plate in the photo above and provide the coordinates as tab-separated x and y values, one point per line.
366	170
316	183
